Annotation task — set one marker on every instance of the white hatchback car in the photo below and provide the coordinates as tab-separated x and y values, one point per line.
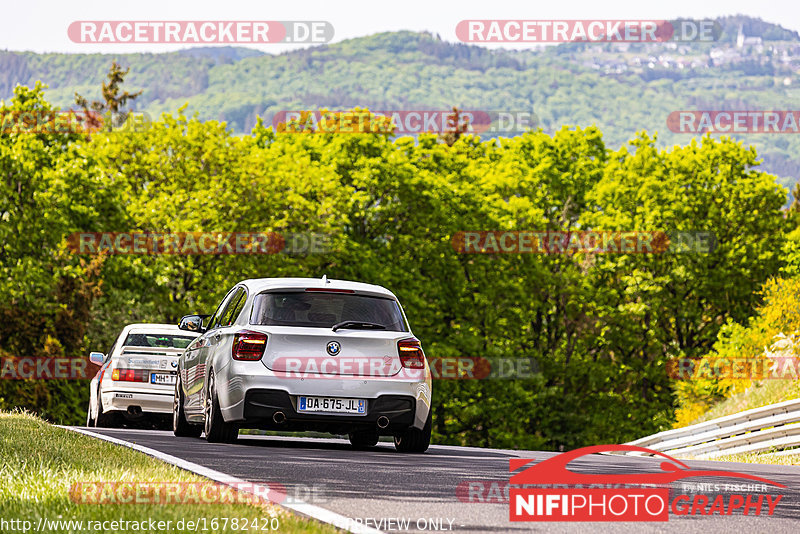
137	375
301	354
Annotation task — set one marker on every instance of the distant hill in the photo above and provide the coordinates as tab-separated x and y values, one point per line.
621	88
755	28
221	54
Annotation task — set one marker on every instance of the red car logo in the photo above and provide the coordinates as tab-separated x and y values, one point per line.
554	470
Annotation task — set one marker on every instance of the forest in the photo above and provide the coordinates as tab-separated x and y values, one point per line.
601	328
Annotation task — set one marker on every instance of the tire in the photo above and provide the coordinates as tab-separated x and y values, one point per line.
89	418
180	426
104	420
415	440
363	440
216	429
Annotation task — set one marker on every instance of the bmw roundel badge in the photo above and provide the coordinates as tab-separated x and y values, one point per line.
333	348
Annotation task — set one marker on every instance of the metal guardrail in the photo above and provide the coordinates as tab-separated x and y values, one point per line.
767	429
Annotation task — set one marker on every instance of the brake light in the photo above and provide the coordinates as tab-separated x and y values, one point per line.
130	375
411	355
249	346
327	290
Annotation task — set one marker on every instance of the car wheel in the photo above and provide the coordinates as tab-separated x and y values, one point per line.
104	420
180	426
413	439
89	418
216	429
363	440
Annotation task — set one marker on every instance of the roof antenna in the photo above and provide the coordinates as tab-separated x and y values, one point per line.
325	279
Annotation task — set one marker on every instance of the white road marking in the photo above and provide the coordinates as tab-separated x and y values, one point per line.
298	507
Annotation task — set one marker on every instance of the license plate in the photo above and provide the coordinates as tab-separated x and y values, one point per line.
331	405
163	378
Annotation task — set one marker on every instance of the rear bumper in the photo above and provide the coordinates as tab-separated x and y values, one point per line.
121	400
261	405
251	400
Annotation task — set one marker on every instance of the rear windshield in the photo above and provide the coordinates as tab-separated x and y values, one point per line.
158	340
317	309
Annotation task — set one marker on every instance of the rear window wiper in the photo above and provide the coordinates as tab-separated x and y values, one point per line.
358	325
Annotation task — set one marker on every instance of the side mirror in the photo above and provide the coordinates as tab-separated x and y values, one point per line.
192	323
97	358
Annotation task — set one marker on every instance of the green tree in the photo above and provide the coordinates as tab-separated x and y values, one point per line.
47	193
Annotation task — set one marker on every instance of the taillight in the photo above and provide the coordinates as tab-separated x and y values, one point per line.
130	375
248	345
411	355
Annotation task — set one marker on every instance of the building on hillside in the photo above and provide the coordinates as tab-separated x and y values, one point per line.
742	40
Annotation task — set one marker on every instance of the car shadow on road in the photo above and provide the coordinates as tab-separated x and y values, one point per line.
381	447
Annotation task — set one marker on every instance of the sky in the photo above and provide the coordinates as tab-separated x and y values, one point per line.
41	25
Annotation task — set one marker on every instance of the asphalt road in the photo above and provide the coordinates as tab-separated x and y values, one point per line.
381	484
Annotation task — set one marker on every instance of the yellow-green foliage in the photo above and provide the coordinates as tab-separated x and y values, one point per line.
773	328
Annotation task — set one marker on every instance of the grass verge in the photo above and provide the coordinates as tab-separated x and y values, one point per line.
758	458
760	393
40	463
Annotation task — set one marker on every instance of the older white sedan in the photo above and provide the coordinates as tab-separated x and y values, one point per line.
137	375
305	354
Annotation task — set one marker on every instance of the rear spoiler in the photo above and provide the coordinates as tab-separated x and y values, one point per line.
152	351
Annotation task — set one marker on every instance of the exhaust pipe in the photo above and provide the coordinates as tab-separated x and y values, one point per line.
279	418
135	411
383	421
